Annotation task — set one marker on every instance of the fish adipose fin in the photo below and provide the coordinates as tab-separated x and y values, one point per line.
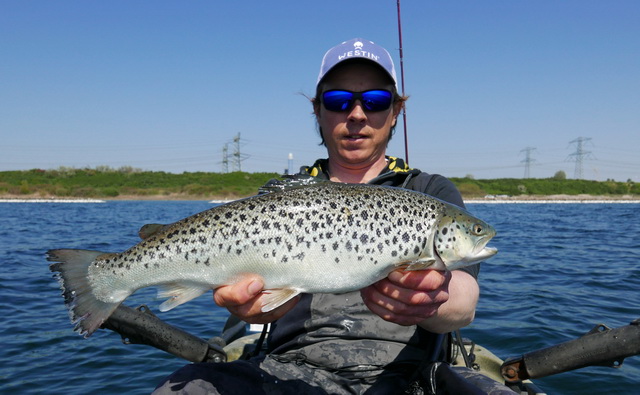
71	269
274	298
179	293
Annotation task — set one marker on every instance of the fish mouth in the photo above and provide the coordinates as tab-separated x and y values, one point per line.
481	251
485	253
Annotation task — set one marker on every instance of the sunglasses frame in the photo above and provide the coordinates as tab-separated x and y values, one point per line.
356	96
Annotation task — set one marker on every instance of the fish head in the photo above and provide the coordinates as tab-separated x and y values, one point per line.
461	239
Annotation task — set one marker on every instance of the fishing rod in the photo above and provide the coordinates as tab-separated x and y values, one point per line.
404	110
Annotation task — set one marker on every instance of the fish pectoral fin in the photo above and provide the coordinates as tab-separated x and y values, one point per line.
274	298
426	263
179	293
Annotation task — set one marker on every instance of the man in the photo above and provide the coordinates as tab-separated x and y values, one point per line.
368	340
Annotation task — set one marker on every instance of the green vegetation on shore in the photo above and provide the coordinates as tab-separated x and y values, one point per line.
128	182
109	183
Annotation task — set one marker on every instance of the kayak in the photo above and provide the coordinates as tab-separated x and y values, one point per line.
470	368
483	372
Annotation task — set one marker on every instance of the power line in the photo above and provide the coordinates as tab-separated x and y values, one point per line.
580	154
527	160
234	158
225	158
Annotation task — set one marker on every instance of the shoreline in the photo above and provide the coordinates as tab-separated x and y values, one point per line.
582	198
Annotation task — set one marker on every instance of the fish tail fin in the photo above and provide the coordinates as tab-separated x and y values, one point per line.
71	268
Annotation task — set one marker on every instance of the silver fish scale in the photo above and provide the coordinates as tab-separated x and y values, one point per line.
321	238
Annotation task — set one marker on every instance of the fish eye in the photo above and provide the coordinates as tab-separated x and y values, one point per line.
477	229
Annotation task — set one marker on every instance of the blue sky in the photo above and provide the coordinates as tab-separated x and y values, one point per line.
164	85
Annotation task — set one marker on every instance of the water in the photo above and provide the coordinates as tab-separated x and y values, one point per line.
561	270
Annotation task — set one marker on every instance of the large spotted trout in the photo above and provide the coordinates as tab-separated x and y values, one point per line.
327	238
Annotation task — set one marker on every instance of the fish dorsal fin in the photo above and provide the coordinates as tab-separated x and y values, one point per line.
179	293
149	230
290	182
274	298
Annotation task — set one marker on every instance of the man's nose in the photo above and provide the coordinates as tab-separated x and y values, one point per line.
357	113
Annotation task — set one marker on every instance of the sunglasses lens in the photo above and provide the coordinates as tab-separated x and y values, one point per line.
376	100
337	100
373	100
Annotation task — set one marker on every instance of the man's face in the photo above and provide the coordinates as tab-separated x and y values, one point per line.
356	136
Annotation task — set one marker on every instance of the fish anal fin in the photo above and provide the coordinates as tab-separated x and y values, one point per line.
179	293
274	298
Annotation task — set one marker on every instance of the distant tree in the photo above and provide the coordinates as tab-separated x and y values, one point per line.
469	176
560	175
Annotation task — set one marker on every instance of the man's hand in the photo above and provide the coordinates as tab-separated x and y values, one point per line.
244	300
408	297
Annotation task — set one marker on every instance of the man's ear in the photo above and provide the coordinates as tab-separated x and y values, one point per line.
316	108
397	107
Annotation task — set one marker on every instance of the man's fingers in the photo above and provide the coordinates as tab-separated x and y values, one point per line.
239	293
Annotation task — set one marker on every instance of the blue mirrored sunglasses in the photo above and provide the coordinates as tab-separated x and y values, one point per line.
341	100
